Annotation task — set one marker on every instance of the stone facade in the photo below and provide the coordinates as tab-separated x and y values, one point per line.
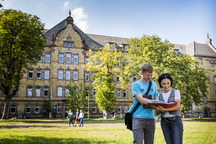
63	60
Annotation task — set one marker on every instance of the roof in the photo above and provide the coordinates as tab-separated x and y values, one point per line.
204	50
51	34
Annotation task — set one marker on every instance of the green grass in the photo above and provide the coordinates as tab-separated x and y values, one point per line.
95	131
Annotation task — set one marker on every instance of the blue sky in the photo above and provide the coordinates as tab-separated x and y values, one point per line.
179	21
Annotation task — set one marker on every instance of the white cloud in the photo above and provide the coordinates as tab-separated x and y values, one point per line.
80	18
66	5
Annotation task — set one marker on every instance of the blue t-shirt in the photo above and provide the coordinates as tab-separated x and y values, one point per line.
140	87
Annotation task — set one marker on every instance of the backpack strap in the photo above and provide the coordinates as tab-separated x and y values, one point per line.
138	104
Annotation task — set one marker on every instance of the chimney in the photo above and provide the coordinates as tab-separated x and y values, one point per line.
208	40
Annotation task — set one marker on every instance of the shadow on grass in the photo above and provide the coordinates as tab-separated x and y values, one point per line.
43	140
201	119
23	126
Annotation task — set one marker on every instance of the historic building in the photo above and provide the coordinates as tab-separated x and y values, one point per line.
62	61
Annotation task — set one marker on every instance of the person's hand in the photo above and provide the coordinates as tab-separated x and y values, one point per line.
161	108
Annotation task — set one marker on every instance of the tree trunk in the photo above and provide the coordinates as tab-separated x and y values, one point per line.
5	114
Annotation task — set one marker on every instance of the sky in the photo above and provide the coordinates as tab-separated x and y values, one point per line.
178	21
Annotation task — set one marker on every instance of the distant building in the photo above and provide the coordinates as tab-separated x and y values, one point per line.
62	61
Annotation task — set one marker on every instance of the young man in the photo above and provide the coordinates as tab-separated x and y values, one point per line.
143	122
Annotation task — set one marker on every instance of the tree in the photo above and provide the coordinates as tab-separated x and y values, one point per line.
77	96
21	44
188	76
105	63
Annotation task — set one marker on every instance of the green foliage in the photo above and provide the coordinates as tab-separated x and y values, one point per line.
188	76
106	64
77	96
21	44
46	108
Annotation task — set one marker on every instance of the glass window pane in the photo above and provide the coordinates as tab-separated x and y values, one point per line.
61	58
68	74
60	74
59	91
67	92
46	92
30	74
72	44
47	58
75	59
38	74
68	58
75	75
46	74
65	44
29	92
37	92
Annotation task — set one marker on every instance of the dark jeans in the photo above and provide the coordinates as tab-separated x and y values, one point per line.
172	130
70	121
143	129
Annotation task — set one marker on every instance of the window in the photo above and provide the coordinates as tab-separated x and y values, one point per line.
13	109
68	43
28	109
86	76
94	109
119	110
37	109
60	91
125	109
87	92
14	91
215	80
204	100
37	92
117	79
200	60
118	93
75	75
60	74
47	58
46	92
68	58
58	108
41	59
76	59
93	93
30	74
46	74
67	92
68	74
38	74
124	94
29	91
86	61
61	58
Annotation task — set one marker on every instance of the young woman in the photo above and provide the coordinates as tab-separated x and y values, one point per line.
81	116
171	121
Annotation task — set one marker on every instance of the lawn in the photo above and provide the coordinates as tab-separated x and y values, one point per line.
196	131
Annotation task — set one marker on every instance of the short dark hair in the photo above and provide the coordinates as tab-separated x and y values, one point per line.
164	76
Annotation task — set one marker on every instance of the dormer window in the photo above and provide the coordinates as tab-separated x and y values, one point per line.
68	43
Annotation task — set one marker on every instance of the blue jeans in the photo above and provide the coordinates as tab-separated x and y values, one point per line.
172	130
81	121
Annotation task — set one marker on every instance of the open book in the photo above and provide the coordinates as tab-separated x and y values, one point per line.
161	103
